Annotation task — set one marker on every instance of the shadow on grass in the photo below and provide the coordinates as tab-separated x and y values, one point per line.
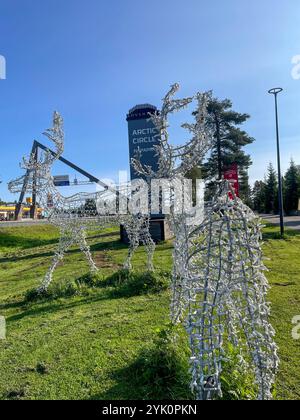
104	235
274	234
17	258
8	240
160	372
107	246
11	305
50	307
122	284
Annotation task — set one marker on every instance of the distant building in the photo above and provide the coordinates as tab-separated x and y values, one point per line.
7	212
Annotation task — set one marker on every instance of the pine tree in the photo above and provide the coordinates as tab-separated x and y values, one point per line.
271	191
259	197
245	188
229	141
292	188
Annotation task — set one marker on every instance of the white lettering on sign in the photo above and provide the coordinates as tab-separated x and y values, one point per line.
144	140
144	150
144	131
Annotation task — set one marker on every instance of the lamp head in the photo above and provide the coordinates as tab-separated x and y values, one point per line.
275	91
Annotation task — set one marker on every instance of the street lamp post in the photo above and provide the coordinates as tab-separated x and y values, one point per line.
275	92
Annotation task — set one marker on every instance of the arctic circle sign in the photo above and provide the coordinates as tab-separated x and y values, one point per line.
143	136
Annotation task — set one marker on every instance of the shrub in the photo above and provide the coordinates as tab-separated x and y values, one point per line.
32	295
128	283
56	290
90	280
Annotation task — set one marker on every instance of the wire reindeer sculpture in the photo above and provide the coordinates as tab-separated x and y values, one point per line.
76	214
219	289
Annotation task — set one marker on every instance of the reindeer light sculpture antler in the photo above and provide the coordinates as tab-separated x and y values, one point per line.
190	153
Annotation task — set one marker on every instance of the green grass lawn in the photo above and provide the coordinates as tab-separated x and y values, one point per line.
83	347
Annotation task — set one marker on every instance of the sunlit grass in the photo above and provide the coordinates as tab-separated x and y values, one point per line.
82	346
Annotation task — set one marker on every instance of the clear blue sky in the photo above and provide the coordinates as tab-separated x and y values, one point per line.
94	59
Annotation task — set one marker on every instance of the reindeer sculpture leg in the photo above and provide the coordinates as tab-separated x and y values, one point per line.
181	285
253	316
206	343
133	246
87	252
137	228
149	244
65	242
230	296
132	226
252	308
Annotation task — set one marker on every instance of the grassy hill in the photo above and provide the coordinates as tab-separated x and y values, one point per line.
86	345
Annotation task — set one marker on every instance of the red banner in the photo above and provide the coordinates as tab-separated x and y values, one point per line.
232	175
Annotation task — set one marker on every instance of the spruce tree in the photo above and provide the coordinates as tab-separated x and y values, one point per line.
259	197
245	188
229	141
271	191
292	188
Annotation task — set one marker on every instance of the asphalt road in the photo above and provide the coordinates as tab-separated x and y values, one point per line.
23	223
292	222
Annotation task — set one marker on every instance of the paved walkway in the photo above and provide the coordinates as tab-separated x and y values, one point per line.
292	222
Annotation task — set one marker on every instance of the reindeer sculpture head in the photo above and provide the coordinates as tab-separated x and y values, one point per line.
176	161
38	169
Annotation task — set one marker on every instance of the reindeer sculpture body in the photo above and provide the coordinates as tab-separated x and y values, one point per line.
71	214
219	289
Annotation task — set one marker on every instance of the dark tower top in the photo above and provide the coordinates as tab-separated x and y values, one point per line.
141	112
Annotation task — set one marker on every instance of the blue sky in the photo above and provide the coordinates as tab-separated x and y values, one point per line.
94	60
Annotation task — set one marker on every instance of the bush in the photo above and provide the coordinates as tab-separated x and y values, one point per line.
127	283
57	290
123	282
90	280
32	295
